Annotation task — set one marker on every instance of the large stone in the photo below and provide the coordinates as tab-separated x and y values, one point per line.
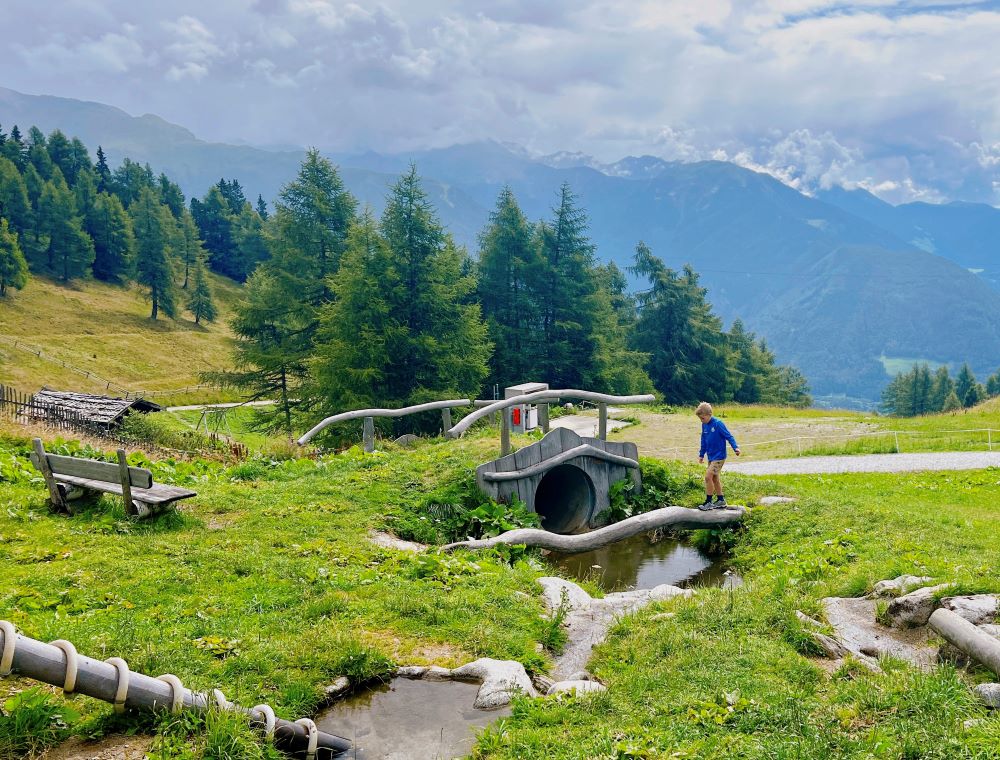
338	688
989	693
556	590
914	609
977	609
501	680
904	584
576	687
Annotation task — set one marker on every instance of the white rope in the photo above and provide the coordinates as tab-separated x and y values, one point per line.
176	691
309	726
269	719
124	675
72	662
9	642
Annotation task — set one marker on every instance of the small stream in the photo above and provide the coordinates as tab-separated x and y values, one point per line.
408	719
638	563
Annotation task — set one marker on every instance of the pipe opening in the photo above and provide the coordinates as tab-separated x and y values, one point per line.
565	499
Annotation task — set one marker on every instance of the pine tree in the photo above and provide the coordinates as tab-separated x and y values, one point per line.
14	149
38	154
215	225
130	179
262	207
104	184
114	240
13	267
941	388
190	252
233	194
250	242
171	196
309	227
570	283
70	251
965	386
616	368
510	265
951	402
153	224
993	385
200	302
676	327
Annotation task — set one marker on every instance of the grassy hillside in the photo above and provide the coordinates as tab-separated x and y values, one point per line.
106	330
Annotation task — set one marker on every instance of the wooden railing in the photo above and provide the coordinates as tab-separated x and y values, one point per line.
369	415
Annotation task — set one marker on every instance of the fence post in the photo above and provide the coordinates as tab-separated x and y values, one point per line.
543	417
896	436
504	432
989	438
445	421
798	444
369	434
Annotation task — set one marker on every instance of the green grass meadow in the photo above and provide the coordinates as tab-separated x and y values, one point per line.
266	586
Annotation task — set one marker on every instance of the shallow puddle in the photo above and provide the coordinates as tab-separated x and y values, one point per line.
637	563
405	720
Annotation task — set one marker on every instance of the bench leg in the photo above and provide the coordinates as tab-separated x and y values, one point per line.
70	493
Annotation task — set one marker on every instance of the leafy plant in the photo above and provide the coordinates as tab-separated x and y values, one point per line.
32	720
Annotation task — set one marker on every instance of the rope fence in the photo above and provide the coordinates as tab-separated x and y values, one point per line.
991	437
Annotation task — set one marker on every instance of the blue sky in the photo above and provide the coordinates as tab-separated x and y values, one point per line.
902	98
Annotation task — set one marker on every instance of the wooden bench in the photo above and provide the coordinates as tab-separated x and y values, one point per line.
70	478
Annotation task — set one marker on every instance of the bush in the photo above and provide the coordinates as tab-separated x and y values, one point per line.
31	721
660	488
156	430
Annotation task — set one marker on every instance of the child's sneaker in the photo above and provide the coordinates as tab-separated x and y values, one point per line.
707	504
720	503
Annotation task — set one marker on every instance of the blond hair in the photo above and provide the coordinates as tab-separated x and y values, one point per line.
704	408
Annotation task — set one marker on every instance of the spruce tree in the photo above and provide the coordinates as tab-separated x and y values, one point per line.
250	242
951	402
676	327
215	225
509	268
200	302
103	172
941	388
114	240
153	226
13	267
262	207
965	386
171	196
14	149
190	252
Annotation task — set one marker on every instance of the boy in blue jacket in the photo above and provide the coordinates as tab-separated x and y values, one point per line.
714	435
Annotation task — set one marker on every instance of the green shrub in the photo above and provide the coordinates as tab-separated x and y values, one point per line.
31	721
157	430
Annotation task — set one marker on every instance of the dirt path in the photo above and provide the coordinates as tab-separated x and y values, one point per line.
951	460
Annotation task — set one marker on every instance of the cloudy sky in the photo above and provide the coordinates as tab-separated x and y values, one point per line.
899	96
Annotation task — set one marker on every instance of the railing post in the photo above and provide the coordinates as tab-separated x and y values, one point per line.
369	434
602	424
543	417
504	432
896	436
445	421
989	438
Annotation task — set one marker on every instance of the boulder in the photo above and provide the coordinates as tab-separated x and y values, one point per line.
338	688
989	693
977	609
502	680
578	688
914	609
580	675
904	584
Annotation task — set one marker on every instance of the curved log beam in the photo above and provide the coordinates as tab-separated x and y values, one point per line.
959	632
585	450
672	517
361	413
546	395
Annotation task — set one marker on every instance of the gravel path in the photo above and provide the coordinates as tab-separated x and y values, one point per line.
950	460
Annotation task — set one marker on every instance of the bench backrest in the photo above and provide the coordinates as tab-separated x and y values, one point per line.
92	469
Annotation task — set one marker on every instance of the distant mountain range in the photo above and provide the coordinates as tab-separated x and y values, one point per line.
838	284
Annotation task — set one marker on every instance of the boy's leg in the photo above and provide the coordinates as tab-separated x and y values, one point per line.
709	488
716	468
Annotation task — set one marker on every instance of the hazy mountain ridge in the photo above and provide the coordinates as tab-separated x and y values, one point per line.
832	281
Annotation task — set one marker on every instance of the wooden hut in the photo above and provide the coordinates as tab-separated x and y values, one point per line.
103	411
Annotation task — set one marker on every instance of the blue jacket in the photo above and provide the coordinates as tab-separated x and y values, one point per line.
714	435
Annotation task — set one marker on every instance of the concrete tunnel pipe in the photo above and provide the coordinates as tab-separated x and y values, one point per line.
565	499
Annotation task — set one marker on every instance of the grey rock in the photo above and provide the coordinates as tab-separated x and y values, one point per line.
577	687
411	671
389	541
914	609
989	693
409	440
977	609
501	681
542	683
580	675
855	627
904	584
768	500
436	673
339	687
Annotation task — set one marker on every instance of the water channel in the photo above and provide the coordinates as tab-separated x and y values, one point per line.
638	563
406	719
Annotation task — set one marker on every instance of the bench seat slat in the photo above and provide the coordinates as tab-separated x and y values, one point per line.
95	470
158	494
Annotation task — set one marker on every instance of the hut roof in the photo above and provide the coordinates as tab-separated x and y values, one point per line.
103	410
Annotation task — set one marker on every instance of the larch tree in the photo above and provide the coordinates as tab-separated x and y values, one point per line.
70	250
110	227
13	267
153	227
200	302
